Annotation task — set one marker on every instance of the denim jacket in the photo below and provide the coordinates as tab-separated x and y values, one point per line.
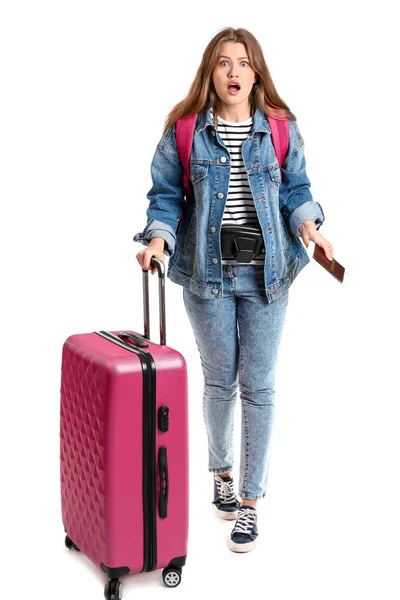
282	199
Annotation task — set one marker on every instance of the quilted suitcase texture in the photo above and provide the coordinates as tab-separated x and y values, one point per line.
124	450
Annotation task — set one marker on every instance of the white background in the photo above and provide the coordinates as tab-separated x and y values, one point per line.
86	88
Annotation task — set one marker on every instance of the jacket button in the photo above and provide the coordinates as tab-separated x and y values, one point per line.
215	291
223	159
220	195
212	229
214	260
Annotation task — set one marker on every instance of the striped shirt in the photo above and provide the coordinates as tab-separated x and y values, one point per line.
239	207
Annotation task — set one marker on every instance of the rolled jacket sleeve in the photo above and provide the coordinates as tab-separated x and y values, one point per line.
295	199
166	196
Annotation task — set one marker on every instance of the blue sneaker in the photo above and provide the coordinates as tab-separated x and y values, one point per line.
226	504
244	534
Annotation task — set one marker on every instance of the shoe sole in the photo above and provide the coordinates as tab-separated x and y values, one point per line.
223	514
241	547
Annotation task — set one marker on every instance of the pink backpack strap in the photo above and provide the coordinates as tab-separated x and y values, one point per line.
184	139
280	137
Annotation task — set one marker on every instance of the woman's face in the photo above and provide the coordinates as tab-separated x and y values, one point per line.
233	64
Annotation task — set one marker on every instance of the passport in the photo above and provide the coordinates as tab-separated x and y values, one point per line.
332	266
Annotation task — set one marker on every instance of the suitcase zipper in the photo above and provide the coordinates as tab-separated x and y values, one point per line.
149	451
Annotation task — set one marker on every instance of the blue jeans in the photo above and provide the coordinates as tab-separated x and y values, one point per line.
238	338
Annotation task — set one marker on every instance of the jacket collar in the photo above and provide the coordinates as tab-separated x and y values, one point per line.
260	122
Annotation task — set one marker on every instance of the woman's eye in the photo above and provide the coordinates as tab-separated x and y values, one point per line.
225	61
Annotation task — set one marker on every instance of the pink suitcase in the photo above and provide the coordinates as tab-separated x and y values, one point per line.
124	450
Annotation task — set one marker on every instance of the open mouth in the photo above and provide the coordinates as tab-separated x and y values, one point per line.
233	87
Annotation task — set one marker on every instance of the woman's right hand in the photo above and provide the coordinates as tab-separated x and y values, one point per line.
154	249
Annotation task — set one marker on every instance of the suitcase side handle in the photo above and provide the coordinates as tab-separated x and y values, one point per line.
159	264
164	482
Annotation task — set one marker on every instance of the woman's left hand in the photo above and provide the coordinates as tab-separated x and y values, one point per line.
309	232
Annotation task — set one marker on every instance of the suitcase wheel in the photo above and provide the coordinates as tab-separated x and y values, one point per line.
171	577
70	544
113	590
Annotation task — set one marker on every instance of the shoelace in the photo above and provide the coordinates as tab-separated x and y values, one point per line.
225	491
245	521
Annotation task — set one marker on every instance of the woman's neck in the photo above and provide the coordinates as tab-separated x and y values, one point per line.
235	113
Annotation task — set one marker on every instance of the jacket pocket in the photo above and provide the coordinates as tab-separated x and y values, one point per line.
274	172
186	245
199	182
185	227
286	238
198	172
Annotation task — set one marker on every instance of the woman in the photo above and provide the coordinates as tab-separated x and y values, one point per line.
236	301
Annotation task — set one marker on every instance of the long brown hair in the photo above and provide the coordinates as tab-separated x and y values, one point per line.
202	94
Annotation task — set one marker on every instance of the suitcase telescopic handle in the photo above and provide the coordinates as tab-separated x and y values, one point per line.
159	264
